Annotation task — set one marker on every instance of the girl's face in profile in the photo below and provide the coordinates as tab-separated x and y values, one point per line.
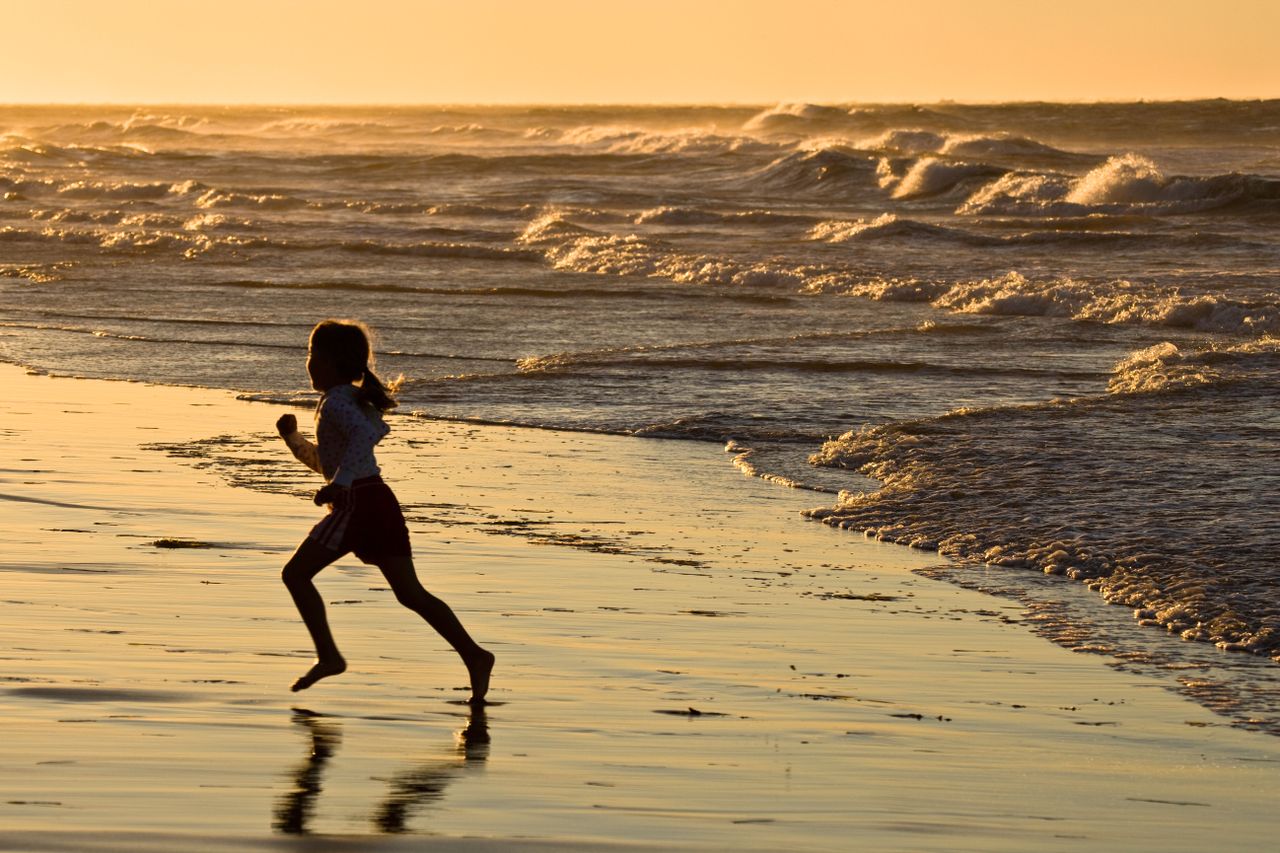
321	370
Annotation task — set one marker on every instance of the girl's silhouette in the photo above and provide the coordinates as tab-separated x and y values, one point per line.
364	517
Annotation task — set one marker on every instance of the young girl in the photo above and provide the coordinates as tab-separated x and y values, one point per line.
364	516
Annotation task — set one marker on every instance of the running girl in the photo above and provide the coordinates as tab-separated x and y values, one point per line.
364	517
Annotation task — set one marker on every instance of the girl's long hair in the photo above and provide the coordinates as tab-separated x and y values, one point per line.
346	344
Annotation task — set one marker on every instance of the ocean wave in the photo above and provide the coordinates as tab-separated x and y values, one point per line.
706	427
818	364
1128	184
569	246
433	250
426	249
1111	302
130	241
30	151
376	208
443	234
1115	301
710	426
485	210
22	149
379	129
199	194
796	115
190	242
676	215
909	142
827	168
16	185
224	343
633	140
319	124
991	147
719	427
299	399
744	460
556	293
1166	367
337	286
426	208
73	215
226	198
34	273
121	190
815	119
140	126
100	317
932	176
999	146
1122	491
558	160
890	225
213	221
469	129
753	354
148	339
568	360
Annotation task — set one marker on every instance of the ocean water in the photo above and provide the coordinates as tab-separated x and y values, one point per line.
1051	331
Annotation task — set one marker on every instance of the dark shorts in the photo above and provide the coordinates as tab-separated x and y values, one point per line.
368	523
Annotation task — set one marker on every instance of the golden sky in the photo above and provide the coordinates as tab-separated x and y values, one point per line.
650	51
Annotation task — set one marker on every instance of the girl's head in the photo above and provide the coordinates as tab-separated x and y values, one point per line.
339	352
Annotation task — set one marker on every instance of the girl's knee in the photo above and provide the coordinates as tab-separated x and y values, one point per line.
306	563
295	574
413	596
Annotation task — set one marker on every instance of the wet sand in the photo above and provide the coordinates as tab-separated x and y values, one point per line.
682	663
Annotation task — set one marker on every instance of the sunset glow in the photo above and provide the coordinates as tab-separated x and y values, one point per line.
575	51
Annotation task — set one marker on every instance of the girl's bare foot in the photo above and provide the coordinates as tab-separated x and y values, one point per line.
479	668
321	669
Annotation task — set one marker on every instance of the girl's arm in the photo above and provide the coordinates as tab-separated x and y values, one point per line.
331	441
306	452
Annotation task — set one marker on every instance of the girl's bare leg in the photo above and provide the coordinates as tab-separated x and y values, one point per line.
404	582
304	565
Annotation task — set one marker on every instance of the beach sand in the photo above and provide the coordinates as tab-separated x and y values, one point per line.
682	661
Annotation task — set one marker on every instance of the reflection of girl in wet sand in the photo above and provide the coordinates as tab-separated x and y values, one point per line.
423	784
408	791
364	516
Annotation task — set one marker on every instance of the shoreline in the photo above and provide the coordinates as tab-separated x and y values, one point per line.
817	687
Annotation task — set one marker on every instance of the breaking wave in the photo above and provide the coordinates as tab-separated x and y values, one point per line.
630	140
1080	488
1103	302
996	147
830	168
1128	184
890	225
795	116
193	241
931	176
676	215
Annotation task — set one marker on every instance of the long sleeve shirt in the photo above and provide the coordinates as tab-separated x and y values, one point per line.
346	433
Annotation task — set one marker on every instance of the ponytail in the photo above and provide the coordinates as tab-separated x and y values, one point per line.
373	393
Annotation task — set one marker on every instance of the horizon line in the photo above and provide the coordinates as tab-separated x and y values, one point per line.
632	104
